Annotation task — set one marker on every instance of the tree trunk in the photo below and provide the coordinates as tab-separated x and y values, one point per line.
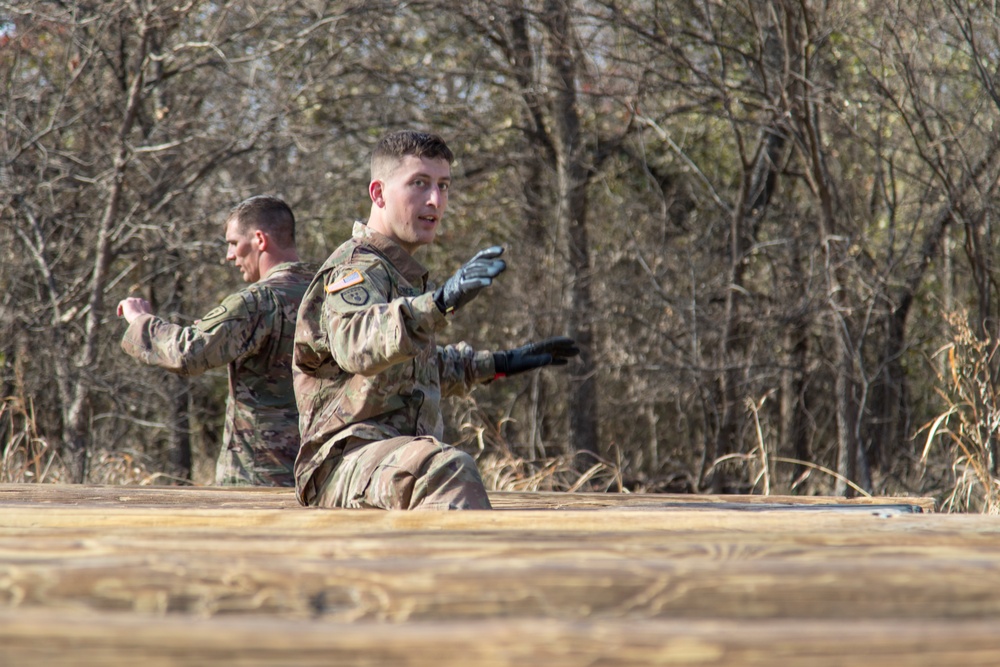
847	446
75	414
572	181
890	407
179	454
759	181
794	423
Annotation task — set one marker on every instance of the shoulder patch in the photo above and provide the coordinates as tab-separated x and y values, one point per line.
233	307
350	280
218	311
355	296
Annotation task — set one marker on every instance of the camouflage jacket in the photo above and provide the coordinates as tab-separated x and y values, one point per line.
251	332
366	364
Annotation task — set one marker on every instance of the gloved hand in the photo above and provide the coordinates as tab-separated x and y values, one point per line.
555	351
474	275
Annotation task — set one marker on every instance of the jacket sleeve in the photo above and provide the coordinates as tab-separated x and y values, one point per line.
367	332
461	368
226	333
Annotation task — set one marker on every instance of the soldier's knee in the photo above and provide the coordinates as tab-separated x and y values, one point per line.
461	461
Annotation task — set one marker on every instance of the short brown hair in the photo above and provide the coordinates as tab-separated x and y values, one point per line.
268	214
392	148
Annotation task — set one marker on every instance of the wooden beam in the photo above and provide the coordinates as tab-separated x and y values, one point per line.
39	543
163	576
270	498
653	501
113	640
195	497
372	521
563	582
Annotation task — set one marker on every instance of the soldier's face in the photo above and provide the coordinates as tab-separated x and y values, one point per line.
413	200
243	251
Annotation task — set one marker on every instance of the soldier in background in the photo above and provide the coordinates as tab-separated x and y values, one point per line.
251	332
369	376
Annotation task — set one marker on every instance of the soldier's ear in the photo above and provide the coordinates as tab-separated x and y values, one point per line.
261	240
375	192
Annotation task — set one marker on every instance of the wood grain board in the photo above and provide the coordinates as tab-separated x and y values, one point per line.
59	639
270	498
127	575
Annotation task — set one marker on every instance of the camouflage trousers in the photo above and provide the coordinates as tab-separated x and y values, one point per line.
240	465
403	473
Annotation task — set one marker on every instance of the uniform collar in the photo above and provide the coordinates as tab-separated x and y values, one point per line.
284	266
412	270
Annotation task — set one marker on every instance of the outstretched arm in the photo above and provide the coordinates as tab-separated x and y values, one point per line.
225	334
133	307
555	351
474	276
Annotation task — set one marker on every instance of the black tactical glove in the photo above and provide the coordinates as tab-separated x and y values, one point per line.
474	275
555	351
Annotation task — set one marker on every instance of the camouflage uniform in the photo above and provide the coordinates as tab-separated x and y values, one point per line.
251	332
369	380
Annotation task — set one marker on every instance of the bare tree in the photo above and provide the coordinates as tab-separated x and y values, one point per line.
750	214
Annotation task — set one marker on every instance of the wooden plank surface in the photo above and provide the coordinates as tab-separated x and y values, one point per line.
394	566
199	497
627	540
571	587
116	640
268	498
358	522
164	576
648	501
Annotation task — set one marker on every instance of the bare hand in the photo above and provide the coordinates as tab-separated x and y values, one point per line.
133	307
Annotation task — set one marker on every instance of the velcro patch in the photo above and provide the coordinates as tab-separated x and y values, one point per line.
350	280
218	311
355	296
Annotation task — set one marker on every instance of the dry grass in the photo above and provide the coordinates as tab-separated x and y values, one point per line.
966	432
29	457
504	470
760	465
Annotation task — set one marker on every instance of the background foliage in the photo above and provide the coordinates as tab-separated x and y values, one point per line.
763	221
